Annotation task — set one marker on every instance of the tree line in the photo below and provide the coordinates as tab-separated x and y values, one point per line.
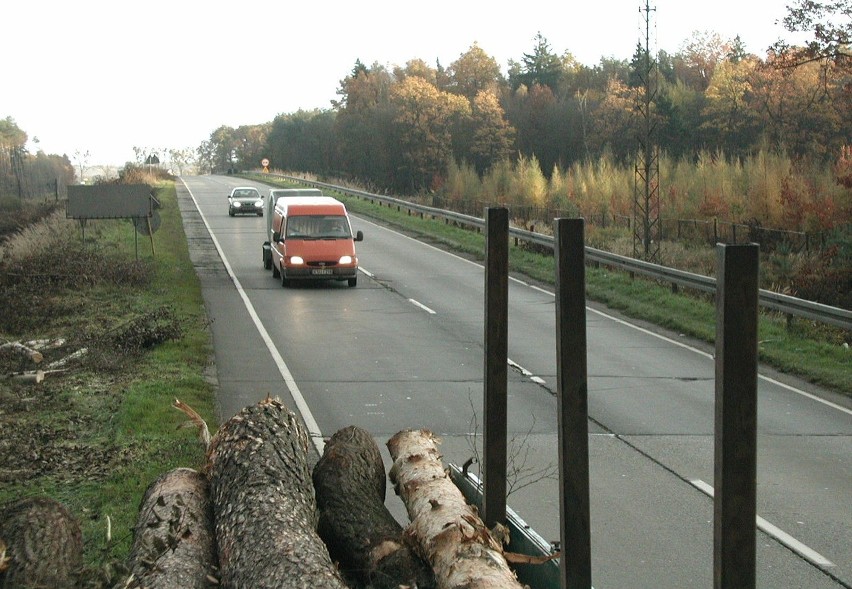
400	128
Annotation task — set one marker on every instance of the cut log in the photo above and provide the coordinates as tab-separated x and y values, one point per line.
448	531
263	500
44	545
28	377
23	350
360	532
173	542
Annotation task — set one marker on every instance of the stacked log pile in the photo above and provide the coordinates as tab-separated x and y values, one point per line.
257	516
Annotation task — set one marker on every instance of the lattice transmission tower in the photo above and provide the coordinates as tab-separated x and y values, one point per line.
647	229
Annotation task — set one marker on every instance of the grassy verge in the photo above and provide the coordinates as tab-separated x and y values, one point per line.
95	436
799	348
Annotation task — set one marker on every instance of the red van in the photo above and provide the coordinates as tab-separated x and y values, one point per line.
312	240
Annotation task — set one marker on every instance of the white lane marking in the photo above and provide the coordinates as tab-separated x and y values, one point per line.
518	367
422	306
313	428
536	379
777	533
636	327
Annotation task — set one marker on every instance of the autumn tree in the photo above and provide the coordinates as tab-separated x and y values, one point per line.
425	117
493	136
473	72
729	121
831	26
698	57
417	68
614	127
800	108
365	126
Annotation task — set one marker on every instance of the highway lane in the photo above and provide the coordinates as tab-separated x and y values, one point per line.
404	349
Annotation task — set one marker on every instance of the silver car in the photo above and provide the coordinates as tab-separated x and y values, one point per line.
245	200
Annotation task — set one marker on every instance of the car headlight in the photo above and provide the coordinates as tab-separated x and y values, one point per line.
258	203
345	260
296	260
237	204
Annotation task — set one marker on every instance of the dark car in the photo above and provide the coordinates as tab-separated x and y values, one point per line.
245	200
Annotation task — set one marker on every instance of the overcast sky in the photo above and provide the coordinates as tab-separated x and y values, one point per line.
105	76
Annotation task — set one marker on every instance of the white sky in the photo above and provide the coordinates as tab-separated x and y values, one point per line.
105	76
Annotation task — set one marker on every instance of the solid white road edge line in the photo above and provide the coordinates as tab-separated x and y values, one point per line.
777	533
314	432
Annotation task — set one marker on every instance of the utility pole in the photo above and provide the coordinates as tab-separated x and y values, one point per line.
647	231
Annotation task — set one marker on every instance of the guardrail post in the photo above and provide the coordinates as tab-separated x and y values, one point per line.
496	365
575	564
735	481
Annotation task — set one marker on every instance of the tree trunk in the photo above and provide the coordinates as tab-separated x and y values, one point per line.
43	544
264	505
173	542
448	531
360	532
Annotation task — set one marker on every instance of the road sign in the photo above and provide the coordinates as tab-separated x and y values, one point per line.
265	163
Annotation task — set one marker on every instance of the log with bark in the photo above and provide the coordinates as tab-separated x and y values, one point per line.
448	531
23	350
44	545
173	541
360	532
264	506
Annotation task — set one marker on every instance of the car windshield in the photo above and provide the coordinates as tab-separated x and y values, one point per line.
318	227
246	194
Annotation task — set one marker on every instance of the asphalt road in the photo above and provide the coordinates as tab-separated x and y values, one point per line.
404	349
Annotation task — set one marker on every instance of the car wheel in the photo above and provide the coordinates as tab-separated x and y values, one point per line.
231	212
275	272
267	261
260	214
284	282
353	281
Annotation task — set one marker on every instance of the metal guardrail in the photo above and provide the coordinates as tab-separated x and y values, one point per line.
768	299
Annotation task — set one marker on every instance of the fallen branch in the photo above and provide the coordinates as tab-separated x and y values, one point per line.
63	361
195	420
447	530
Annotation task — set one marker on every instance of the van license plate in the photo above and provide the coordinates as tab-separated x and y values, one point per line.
322	271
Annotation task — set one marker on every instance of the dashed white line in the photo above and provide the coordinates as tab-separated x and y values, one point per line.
774	531
422	306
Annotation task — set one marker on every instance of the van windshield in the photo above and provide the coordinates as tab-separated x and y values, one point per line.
318	227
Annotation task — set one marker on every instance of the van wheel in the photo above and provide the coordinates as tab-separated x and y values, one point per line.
353	281
275	272
267	262
284	282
